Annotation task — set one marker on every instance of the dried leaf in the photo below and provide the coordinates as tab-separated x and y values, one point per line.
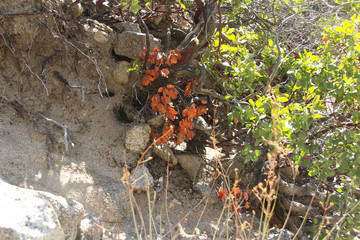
222	193
165	72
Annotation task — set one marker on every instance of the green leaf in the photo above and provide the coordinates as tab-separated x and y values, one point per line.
296	87
252	102
181	4
283	99
135	7
316	116
277	89
316	100
311	90
271	43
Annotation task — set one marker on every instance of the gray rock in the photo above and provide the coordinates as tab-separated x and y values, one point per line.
205	190
90	227
202	125
137	138
25	214
141	179
164	152
69	213
156	121
120	73
191	163
110	198
130	44
76	10
127	26
101	34
174	203
275	232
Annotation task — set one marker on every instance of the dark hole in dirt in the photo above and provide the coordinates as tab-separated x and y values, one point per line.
137	105
121	115
87	12
120	58
108	94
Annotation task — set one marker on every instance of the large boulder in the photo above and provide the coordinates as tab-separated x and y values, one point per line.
29	214
130	44
69	213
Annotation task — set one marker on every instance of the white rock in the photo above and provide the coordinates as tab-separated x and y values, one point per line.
137	138
27	215
90	227
212	155
275	232
100	26
202	125
120	73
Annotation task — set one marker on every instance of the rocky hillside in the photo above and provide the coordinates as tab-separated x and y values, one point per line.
69	126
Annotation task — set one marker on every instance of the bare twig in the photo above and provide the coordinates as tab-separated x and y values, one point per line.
167	40
45	65
62	79
67	138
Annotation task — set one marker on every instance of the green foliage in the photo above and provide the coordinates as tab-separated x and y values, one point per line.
301	88
312	107
133	5
241	71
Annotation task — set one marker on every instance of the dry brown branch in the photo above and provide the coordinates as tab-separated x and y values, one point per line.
308	189
21	109
62	79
